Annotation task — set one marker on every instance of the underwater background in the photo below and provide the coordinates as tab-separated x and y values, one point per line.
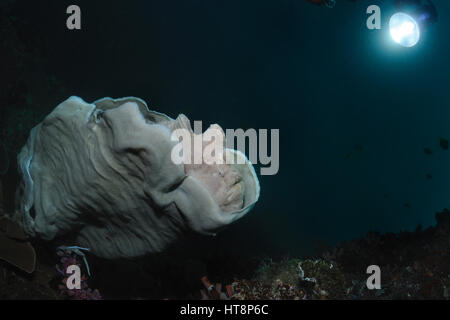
360	118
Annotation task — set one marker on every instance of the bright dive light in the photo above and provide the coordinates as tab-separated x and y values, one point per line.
404	29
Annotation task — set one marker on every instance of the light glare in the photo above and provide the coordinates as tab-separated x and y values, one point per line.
404	29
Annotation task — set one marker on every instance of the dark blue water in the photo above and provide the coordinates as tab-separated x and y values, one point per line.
319	75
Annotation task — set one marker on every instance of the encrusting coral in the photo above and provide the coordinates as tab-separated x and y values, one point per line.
415	265
293	279
69	258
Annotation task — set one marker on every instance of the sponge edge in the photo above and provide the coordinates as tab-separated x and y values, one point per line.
102	174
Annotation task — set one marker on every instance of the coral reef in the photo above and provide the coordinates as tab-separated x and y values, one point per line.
68	258
415	265
214	292
293	279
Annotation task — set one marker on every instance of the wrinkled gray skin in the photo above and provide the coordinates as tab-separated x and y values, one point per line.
102	173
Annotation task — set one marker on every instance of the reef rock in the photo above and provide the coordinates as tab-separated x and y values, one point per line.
102	175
